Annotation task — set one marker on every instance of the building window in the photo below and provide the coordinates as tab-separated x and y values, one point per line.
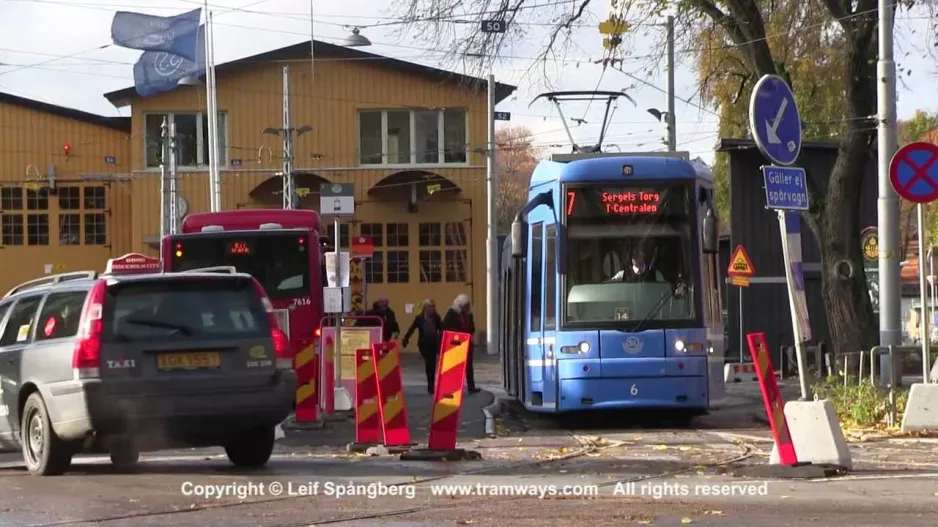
457	252
37	199
412	137
431	267
37	229
11	198
12	226
430	235
69	229
192	142
70	198
374	268
343	235
373	231
398	235
20	227
12	229
83	215
398	267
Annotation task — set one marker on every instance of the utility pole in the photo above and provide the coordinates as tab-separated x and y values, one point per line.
173	195
164	175
491	283
289	184
672	133
289	190
888	203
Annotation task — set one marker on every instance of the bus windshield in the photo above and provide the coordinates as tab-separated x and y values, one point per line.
630	256
279	261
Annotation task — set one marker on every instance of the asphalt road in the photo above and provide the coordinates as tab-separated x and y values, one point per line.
618	471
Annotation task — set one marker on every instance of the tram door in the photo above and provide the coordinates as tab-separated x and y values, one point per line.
534	343
549	329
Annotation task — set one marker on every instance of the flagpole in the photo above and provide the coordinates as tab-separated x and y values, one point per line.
213	123
210	108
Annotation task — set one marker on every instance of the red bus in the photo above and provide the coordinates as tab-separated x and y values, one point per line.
279	248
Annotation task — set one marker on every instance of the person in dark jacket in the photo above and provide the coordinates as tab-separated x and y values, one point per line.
429	330
382	310
459	318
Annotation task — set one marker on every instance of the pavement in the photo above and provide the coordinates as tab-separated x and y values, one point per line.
615	469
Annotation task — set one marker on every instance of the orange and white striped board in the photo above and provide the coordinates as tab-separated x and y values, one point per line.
447	399
774	404
387	362
367	414
306	364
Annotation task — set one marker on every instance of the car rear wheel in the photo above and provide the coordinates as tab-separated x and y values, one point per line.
45	453
253	448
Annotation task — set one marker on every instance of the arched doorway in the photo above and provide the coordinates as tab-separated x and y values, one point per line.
269	193
421	225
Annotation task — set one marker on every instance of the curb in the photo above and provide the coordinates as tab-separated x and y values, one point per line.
493	410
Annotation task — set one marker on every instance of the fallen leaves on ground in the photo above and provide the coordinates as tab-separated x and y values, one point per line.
685	520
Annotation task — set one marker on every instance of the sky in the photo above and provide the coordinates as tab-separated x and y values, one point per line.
59	51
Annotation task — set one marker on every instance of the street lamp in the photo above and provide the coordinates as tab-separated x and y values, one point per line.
356	40
665	118
190	80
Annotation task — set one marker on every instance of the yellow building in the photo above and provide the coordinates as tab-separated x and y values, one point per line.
411	139
62	197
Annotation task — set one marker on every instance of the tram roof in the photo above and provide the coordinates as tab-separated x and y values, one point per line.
609	167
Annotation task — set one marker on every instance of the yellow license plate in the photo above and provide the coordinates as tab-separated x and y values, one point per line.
188	361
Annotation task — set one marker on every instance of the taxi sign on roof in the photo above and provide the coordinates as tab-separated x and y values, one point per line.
741	268
133	263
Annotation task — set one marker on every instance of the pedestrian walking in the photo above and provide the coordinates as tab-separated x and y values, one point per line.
459	318
428	326
382	310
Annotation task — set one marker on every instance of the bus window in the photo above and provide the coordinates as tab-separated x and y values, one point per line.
279	262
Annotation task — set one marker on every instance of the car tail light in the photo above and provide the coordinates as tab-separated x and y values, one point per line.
86	358
281	343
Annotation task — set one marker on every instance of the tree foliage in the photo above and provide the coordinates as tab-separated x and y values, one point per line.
515	161
826	50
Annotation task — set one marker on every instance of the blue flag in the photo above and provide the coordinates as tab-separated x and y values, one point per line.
159	71
177	35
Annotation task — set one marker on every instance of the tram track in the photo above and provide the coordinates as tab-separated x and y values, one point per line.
588	446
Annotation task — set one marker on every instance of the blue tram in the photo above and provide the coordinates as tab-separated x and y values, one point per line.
610	294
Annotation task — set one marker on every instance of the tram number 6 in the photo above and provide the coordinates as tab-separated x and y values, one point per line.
634	390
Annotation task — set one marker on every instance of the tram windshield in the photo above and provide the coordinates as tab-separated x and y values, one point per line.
630	256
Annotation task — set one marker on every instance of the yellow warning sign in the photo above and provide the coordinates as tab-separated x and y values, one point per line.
741	265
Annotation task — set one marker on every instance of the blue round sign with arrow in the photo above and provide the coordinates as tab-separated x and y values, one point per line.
774	120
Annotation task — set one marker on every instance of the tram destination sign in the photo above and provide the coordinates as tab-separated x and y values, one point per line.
594	202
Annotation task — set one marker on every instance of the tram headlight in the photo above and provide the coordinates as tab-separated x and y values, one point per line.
584	347
679	345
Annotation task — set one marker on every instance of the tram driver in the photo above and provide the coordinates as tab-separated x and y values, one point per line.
639	271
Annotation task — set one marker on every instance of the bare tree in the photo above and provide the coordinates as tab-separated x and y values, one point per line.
848	26
515	159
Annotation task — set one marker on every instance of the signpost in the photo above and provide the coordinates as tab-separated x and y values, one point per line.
494	26
502	116
740	271
338	199
775	124
913	173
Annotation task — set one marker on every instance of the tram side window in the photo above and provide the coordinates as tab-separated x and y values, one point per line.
537	251
550	279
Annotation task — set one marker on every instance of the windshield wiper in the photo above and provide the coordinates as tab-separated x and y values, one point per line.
185	330
678	291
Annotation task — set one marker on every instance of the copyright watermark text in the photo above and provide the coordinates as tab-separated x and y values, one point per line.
244	490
